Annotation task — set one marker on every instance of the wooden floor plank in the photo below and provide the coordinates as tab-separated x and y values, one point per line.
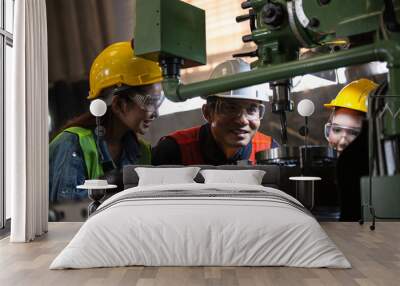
374	255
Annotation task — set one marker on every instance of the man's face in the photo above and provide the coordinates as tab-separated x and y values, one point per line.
344	128
234	122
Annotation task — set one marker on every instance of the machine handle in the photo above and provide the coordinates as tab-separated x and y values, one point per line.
248	54
243	18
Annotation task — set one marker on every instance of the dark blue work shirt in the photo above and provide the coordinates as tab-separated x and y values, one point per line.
67	167
167	151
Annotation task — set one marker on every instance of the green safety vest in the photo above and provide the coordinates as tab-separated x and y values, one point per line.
91	155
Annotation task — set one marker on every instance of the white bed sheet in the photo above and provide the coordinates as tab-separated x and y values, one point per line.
200	232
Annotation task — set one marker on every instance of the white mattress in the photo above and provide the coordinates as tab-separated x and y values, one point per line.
202	231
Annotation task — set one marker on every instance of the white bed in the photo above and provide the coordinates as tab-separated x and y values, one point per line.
221	225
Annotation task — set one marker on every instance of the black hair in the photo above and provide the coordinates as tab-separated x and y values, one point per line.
211	99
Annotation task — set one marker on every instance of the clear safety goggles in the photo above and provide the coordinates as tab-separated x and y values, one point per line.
252	111
340	131
148	102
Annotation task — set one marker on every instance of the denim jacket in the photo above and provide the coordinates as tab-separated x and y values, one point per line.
67	167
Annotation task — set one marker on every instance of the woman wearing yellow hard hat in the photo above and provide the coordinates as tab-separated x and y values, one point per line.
130	87
349	109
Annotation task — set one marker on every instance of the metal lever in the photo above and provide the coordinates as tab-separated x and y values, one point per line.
243	18
251	16
248	54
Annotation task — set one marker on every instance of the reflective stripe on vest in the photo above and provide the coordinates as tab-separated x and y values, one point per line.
188	141
144	152
89	149
88	145
260	142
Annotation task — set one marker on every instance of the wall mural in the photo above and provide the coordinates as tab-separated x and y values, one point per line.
90	51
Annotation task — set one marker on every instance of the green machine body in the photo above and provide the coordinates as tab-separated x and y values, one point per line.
170	29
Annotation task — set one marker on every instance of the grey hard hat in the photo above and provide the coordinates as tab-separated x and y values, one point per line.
230	67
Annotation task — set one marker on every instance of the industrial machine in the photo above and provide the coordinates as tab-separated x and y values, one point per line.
354	31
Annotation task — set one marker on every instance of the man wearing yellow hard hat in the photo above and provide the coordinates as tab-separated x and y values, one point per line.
131	88
349	109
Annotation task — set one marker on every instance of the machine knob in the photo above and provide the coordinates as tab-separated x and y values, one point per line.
98	107
314	23
246	5
272	14
247	38
306	107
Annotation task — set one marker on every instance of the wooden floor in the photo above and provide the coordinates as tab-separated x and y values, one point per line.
375	256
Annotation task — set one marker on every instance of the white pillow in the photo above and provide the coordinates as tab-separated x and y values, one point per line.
163	176
248	177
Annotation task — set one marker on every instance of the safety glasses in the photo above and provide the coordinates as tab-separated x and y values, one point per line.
340	131
252	111
148	102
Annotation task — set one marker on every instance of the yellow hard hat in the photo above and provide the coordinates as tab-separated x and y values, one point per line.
354	95
118	65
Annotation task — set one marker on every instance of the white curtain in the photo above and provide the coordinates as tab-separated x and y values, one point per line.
27	124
